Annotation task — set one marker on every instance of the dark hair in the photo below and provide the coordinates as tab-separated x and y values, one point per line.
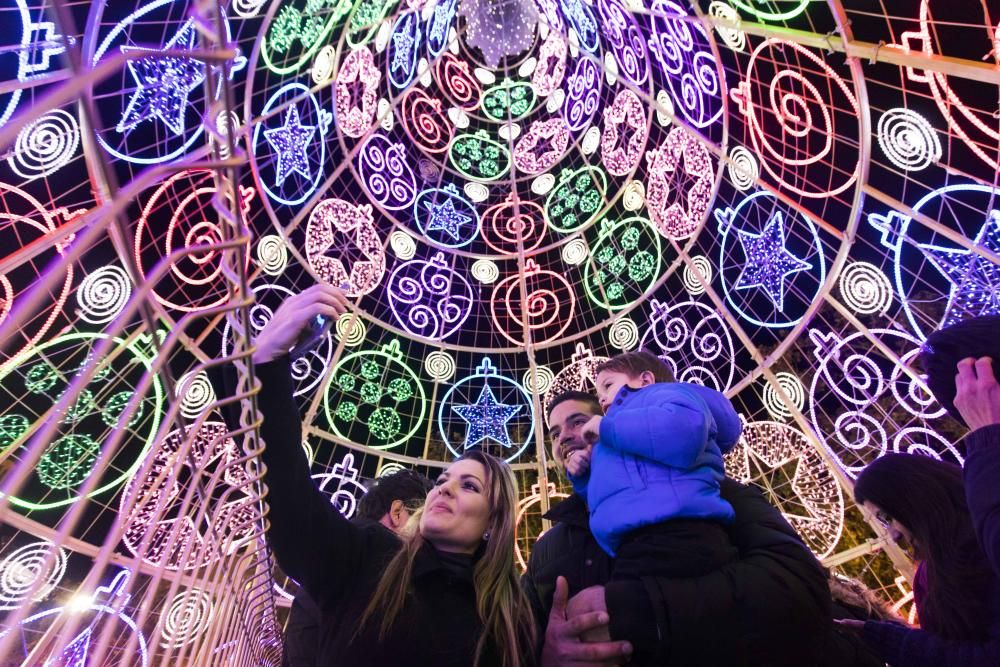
406	485
927	496
635	363
574	395
976	337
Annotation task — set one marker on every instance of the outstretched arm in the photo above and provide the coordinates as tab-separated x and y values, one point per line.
900	645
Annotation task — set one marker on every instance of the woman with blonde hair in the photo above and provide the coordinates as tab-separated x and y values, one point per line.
447	594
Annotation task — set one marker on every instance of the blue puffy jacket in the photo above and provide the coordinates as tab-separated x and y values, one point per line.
659	458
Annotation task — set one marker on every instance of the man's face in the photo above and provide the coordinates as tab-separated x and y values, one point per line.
609	382
565	423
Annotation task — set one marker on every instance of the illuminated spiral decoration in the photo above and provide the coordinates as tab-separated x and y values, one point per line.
103	294
733	38
543	184
539	381
403	245
45	145
196	393
477	192
485	271
226	123
350	329
390	468
440	366
690	279
908	140
865	289
188	616
324	65
23	567
773	401
634	196
623	334
743	168
247	8
272	255
575	252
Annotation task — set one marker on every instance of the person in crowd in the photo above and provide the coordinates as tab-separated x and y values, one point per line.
446	594
852	600
389	502
657	452
769	607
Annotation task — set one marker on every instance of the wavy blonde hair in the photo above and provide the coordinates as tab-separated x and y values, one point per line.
501	604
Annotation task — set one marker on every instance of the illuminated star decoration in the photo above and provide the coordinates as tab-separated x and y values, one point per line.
768	263
446	218
781	484
164	83
487	419
290	141
402	43
975	280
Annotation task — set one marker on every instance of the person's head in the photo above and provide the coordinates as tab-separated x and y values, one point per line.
567	413
394	497
921	502
631	369
943	349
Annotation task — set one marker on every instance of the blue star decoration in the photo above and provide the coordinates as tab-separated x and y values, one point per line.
975	280
446	218
290	142
402	43
487	419
164	83
768	262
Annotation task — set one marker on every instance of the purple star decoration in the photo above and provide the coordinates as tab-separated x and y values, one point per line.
768	262
487	419
290	142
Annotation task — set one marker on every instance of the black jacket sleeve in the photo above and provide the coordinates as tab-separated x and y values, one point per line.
770	607
982	489
901	646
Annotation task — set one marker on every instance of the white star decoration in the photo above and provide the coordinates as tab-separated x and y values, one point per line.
487	419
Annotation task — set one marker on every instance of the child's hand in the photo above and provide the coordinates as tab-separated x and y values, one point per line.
578	462
592	430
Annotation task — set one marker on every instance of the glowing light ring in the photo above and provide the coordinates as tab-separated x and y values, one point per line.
551	66
514	225
694	341
791	276
445	217
425	122
579	375
624	40
672	219
385	172
390	468
225	526
21	568
247	8
437	27
355	117
485	271
479	157
866	290
352	335
742	168
522	555
575	252
348	490
429	299
908	140
404	49
457	83
272	255
633	196
196	393
538	382
582	20
359	398
45	145
625	262
103	294
692	283
440	366
86	415
799	144
193	282
503	398
577	200
339	232
775	404
188	616
509	100
907	441
624	134
911	394
366	20
623	334
783	463
542	146
535	299
402	244
303	30
791	12
583	94
682	47
324	65
735	39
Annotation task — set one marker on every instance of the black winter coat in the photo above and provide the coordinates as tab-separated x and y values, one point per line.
769	608
339	564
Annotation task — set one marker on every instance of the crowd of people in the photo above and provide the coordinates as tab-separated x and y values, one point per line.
656	559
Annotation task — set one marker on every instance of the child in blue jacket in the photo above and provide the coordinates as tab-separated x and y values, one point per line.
651	475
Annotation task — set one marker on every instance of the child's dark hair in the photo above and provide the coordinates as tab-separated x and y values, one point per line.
635	363
574	395
406	485
976	337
